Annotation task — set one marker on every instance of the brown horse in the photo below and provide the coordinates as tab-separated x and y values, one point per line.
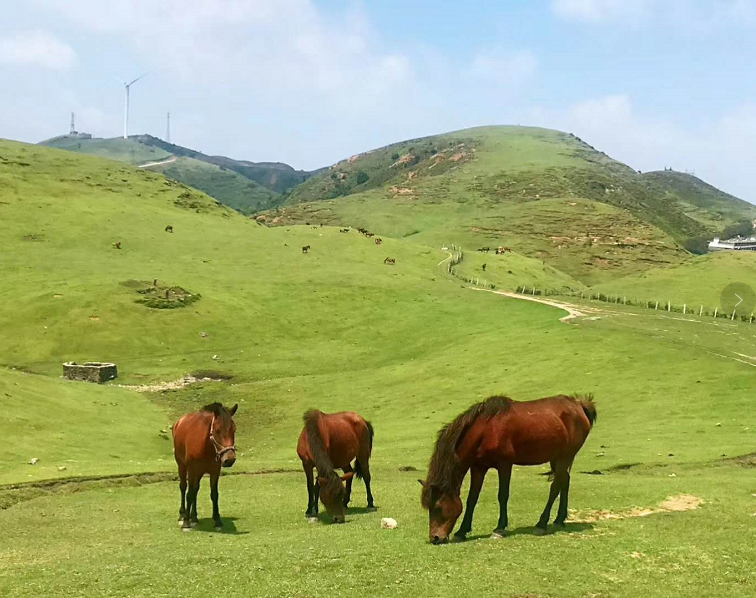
329	441
203	442
498	433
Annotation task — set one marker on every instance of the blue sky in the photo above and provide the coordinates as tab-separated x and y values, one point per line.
653	83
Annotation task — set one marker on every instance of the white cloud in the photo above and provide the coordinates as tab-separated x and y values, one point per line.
594	11
502	67
36	48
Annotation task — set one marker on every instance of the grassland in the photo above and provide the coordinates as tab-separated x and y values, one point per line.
407	346
117	148
546	194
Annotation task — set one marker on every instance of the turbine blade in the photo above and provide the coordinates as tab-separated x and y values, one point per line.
139	77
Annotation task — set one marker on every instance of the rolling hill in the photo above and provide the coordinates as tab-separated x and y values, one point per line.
280	331
245	186
546	194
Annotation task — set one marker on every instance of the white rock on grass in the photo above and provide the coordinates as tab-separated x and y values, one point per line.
33	461
388	523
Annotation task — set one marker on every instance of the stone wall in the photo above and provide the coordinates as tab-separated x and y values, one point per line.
91	371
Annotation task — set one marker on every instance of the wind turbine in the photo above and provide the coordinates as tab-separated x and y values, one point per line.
127	87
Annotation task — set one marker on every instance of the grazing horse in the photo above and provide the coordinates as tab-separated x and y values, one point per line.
390	261
330	441
345	230
117	245
484	267
169	229
203	442
484	249
498	433
378	240
305	249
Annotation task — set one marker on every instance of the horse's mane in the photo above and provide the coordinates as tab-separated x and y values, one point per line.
217	409
323	462
444	470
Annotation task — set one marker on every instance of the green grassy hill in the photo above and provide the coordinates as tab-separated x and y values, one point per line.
697	281
407	345
547	194
245	186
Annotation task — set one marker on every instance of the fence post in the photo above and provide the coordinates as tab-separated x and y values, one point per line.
668	306
657	305
733	315
716	309
700	311
685	308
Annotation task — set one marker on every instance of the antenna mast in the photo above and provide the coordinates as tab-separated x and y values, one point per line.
73	126
168	128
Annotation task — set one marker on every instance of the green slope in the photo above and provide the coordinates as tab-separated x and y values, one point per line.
117	148
547	193
227	186
336	329
697	281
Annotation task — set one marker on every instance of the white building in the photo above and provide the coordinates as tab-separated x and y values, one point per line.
735	244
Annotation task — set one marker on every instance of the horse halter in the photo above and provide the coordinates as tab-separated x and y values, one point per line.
220	450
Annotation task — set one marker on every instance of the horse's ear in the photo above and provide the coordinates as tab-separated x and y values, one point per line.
347	476
322	481
233	409
422	483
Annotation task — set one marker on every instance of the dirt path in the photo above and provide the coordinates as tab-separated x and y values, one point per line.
168	161
572	311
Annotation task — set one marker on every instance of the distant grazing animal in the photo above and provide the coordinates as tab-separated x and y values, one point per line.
498	433
345	230
378	240
484	267
361	230
305	249
331	441
484	249
370	235
390	261
169	229
503	250
117	245
203	442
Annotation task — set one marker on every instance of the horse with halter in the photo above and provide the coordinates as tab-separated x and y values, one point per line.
331	441
203	442
496	434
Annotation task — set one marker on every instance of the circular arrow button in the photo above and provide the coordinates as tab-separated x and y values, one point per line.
737	297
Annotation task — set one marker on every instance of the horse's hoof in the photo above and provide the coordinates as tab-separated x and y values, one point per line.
498	534
194	524
312	520
181	523
372	508
218	528
560	524
187	529
458	538
540	531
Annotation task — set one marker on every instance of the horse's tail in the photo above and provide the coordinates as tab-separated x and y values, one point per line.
357	466
589	407
318	449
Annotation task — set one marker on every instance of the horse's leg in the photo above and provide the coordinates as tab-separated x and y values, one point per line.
312	505
191	500
214	476
563	498
348	495
505	475
477	475
195	520
365	466
316	500
182	487
556	485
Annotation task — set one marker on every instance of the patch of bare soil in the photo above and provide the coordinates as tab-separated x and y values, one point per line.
672	504
161	386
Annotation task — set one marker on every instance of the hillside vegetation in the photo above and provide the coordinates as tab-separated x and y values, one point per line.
547	194
406	345
244	186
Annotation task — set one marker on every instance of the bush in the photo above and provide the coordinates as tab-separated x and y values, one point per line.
394	156
362	177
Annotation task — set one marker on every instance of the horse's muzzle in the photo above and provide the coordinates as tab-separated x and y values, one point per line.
228	462
436	540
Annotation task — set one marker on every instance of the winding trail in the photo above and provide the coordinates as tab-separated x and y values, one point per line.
445	259
572	311
168	161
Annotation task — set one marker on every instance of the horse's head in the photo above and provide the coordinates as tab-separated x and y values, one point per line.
332	493
222	434
444	508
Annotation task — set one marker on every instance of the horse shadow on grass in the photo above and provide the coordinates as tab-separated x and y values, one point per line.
229	527
569	528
